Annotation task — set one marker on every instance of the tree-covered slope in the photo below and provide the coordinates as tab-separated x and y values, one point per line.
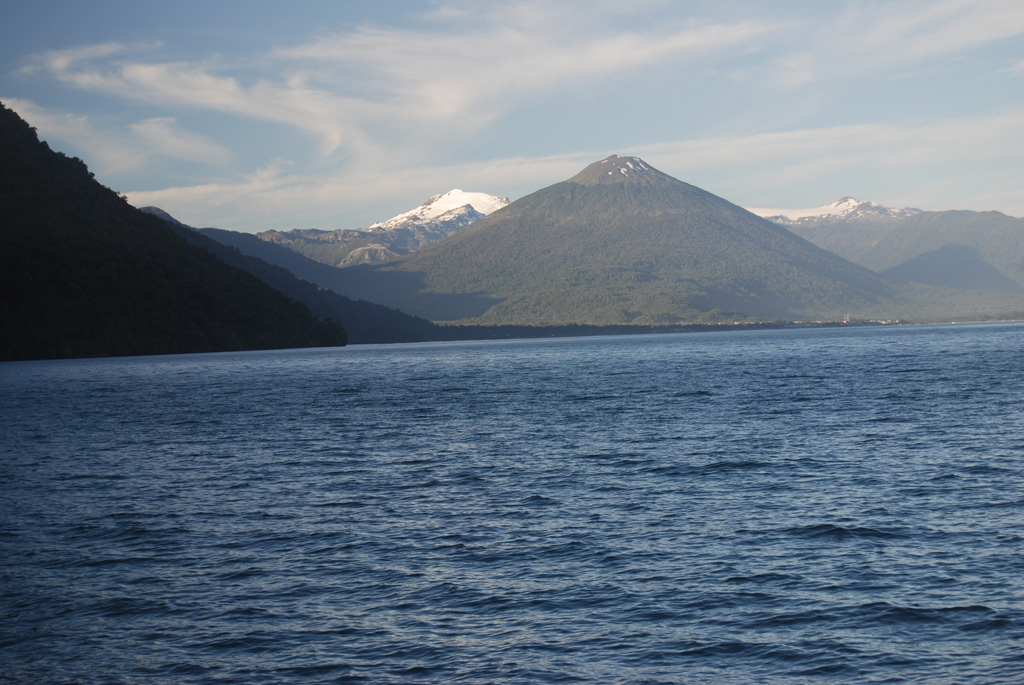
995	238
300	278
956	248
82	273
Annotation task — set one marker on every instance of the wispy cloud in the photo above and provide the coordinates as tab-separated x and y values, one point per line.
441	74
890	146
164	136
372	90
924	29
866	39
196	86
975	160
117	151
1015	69
60	61
391	93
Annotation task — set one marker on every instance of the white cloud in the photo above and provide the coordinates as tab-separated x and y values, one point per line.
976	161
1015	69
887	146
375	92
865	39
189	85
454	74
58	61
917	30
165	137
111	151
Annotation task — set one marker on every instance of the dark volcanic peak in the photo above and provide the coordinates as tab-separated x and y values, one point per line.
624	170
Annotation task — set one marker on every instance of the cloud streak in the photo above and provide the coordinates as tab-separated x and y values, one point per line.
921	30
165	137
444	75
193	86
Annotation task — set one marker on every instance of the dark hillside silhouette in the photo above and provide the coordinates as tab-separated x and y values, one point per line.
82	273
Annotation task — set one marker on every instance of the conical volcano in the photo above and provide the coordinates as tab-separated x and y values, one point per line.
621	243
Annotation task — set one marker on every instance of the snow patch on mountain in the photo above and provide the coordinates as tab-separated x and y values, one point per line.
625	165
434	220
845	209
456	208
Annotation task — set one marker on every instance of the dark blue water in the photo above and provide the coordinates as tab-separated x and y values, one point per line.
813	505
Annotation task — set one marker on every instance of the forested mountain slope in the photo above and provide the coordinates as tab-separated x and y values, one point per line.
82	273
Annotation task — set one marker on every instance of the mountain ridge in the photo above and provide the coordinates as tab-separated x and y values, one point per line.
435	219
846	208
953	248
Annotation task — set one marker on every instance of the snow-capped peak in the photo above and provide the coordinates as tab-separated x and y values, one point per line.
845	208
444	204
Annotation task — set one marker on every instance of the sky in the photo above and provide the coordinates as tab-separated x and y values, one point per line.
253	115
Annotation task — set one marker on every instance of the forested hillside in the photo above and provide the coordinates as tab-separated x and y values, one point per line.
82	273
365	322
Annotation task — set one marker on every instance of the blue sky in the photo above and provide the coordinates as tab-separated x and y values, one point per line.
259	115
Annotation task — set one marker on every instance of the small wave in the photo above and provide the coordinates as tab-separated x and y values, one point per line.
969	618
735	465
346	504
986	469
243	574
829	530
691	393
762	578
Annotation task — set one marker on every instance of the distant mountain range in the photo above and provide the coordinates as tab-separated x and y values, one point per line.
622	243
844	210
956	249
438	217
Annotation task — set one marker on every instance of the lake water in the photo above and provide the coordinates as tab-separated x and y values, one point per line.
839	504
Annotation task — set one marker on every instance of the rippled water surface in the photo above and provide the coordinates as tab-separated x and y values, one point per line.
801	505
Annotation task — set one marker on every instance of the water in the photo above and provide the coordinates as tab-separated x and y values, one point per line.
798	506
